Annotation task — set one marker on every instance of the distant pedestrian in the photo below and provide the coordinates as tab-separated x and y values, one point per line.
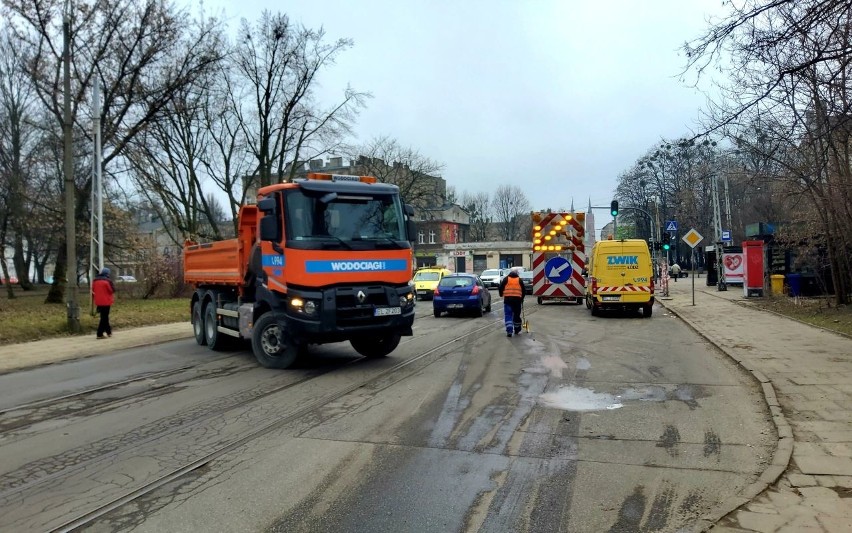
103	291
512	290
676	271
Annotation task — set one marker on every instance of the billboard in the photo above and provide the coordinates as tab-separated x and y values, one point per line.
733	265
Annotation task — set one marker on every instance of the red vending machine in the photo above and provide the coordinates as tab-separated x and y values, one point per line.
753	268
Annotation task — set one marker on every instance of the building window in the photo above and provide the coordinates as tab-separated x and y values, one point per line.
420	238
431	236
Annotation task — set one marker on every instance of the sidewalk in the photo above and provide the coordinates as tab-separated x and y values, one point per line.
806	375
45	352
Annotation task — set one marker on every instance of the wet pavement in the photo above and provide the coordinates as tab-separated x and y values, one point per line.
806	376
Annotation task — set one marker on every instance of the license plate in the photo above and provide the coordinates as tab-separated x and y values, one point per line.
611	298
385	311
454	306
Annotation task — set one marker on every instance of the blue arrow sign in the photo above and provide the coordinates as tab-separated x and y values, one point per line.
671	225
558	270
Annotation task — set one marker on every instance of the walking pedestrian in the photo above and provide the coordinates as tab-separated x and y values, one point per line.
103	291
512	290
675	271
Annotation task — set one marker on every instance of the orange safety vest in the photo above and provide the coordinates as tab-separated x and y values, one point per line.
512	288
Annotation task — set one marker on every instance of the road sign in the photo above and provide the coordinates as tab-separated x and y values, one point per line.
726	235
692	238
558	269
671	225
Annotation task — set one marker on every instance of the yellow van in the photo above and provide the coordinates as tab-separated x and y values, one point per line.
425	281
620	275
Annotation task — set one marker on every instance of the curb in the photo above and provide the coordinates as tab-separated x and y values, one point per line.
783	449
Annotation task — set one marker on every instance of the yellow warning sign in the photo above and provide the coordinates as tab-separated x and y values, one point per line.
692	238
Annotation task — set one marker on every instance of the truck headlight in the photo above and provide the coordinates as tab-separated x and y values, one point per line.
310	308
406	300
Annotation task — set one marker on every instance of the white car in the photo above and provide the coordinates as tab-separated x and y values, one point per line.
491	278
126	279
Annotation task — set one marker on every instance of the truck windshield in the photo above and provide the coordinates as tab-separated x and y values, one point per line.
319	219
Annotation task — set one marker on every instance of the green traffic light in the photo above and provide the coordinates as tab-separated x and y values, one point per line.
666	246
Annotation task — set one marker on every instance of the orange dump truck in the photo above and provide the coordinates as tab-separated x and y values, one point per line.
322	259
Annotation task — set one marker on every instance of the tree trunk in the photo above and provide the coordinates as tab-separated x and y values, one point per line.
22	266
56	295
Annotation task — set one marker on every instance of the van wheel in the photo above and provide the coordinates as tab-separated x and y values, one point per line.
595	311
215	340
272	346
198	324
647	310
376	347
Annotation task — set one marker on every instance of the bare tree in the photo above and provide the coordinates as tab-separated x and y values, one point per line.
790	72
139	52
278	63
511	210
478	205
417	176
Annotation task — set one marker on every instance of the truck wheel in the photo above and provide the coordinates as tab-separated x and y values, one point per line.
198	324
215	340
271	345
539	300
376	347
647	310
579	301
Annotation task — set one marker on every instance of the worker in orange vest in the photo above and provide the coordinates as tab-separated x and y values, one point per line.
512	291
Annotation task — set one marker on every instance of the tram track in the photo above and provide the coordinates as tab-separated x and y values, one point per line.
41	475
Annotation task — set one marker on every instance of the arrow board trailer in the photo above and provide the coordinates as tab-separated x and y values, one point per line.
559	257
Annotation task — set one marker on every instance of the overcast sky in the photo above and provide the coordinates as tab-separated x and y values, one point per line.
558	97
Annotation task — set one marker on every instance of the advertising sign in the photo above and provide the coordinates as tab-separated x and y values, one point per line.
733	263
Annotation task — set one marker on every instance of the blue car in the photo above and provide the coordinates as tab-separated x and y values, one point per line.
460	293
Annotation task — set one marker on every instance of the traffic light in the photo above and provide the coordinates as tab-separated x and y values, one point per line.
666	246
613	207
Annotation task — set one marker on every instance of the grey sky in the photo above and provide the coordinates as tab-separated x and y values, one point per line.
556	96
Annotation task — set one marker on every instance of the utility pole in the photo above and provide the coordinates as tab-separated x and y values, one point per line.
717	226
68	169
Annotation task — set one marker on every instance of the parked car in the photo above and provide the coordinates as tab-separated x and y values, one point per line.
126	279
527	278
491	277
11	280
460	293
426	279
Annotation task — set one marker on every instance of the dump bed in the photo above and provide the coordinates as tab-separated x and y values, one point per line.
222	262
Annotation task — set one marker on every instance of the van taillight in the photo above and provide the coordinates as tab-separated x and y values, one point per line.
594	285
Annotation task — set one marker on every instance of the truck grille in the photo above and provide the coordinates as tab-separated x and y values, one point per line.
352	312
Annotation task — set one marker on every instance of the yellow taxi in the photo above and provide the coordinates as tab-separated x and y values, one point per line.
426	280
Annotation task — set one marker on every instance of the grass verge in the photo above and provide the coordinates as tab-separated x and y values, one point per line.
27	318
822	312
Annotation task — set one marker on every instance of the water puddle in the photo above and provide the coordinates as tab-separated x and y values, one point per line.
579	399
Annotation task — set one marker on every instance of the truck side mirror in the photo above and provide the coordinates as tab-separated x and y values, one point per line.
410	228
270	225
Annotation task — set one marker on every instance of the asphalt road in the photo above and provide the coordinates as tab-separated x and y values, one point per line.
617	423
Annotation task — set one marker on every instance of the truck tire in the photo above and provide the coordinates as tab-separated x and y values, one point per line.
373	347
198	324
271	345
214	340
539	300
647	310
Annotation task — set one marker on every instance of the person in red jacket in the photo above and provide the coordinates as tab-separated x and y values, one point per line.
512	290
103	292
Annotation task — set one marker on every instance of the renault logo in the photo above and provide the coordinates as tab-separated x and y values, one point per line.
361	296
